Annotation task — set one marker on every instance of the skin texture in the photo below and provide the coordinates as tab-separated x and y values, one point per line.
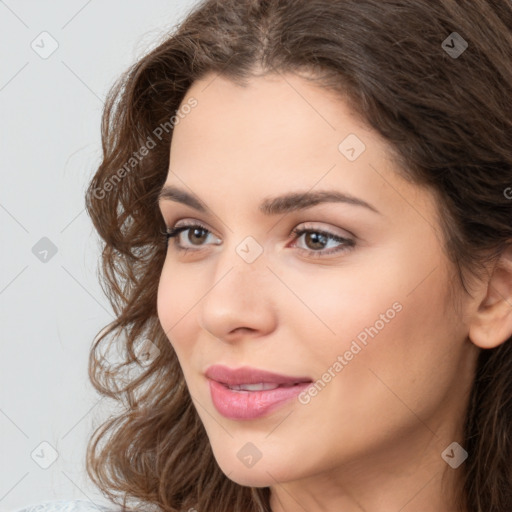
372	438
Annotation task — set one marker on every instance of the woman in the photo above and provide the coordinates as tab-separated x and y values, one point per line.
306	213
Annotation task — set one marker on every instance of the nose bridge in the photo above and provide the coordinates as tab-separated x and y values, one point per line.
245	256
241	271
240	293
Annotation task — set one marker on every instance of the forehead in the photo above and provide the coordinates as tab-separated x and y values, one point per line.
268	105
275	123
277	134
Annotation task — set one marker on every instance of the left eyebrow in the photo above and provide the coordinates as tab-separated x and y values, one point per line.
271	205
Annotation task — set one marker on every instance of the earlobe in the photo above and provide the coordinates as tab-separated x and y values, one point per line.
491	324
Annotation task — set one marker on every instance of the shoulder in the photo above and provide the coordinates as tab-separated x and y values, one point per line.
68	506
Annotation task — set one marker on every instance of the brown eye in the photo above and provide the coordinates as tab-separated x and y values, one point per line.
196	236
316	241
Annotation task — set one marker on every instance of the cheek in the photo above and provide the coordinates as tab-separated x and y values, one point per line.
408	363
175	300
340	305
393	320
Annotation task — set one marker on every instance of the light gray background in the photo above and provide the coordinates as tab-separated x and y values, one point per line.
50	147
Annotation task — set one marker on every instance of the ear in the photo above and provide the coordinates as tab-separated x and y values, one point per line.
491	323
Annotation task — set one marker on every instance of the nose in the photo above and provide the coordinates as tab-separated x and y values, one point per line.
240	300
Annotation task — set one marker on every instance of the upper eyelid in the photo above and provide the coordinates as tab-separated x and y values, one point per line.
192	224
347	243
301	227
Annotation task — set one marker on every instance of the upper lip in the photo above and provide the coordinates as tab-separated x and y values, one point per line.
249	375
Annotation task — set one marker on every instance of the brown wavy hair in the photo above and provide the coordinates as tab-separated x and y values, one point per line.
448	121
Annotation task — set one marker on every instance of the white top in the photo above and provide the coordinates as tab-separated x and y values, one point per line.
66	506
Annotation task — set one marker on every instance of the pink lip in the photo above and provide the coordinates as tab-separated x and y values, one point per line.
246	405
249	375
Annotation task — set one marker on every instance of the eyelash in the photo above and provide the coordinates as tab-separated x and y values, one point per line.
348	243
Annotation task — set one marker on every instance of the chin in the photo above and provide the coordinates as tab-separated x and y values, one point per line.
263	474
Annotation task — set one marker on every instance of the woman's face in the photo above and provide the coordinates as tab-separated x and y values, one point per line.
368	320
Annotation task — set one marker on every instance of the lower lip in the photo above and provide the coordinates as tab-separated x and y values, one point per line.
247	405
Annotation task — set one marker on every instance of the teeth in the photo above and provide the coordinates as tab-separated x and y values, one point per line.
262	386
